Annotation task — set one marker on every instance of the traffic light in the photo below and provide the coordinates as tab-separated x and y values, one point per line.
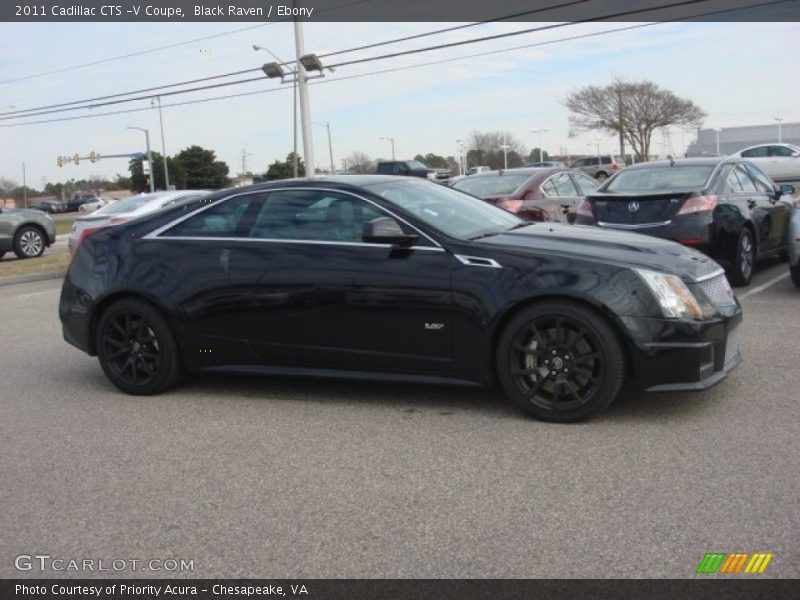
93	156
76	158
60	161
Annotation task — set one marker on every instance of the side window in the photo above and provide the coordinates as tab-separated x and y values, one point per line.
763	183
745	184
549	188
780	151
313	215
579	163
586	185
221	220
563	184
758	152
606	160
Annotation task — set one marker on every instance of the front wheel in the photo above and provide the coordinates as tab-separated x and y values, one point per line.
601	176
741	271
136	348
28	243
560	361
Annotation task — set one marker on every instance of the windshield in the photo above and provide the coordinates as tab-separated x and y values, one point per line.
126	205
453	213
489	186
657	178
416	165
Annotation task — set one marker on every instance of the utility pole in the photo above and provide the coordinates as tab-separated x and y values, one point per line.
779	119
505	148
305	111
327	126
391	141
149	156
245	154
163	145
619	116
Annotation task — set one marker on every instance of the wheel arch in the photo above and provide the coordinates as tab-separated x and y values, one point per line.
106	301
33	225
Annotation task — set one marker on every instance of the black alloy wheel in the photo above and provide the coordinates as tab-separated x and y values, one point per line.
28	243
136	348
742	270
560	361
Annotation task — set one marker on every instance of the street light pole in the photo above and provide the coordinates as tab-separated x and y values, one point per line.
460	157
717	132
149	156
505	148
779	119
541	142
24	188
163	144
327	125
302	88
391	140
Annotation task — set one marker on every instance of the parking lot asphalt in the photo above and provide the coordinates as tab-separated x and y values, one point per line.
279	477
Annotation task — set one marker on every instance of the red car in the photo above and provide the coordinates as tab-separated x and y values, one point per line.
535	194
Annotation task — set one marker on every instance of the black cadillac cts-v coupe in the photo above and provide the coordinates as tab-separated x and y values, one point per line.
399	279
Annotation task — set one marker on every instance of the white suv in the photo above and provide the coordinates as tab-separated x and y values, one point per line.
601	166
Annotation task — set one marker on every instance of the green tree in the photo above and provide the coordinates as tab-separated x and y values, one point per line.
140	182
534	155
201	169
434	161
285	169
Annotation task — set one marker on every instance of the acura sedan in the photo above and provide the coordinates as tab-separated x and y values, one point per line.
397	278
535	194
725	207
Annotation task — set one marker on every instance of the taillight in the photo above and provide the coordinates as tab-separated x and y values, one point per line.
510	204
698	204
585	209
86	232
615	167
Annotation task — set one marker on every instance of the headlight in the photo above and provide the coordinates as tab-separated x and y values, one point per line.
673	296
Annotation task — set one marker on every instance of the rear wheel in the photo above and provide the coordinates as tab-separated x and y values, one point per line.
136	348
29	242
741	272
2	254
560	361
601	176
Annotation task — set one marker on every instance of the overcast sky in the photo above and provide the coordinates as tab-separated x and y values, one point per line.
739	73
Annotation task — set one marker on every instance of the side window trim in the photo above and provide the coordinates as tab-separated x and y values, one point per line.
159	232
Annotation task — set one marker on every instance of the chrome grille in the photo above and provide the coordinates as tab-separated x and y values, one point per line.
718	291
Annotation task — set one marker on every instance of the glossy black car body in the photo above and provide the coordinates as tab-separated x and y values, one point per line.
736	215
393	296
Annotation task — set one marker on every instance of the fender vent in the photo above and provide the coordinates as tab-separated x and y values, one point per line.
478	261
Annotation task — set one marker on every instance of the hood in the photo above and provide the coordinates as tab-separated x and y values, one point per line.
24	211
614	247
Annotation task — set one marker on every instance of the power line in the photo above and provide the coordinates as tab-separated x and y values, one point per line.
24	112
169	46
515	33
408	67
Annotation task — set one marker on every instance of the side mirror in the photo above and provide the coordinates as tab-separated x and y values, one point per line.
787	189
385	230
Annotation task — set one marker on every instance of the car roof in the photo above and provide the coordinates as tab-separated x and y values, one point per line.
710	161
529	171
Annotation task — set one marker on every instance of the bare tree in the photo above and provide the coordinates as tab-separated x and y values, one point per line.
359	162
633	109
486	148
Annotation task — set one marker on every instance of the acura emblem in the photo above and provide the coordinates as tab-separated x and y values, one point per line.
633	206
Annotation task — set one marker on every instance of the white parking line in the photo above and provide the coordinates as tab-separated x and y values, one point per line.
39	293
763	286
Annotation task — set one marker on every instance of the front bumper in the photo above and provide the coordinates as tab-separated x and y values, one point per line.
670	356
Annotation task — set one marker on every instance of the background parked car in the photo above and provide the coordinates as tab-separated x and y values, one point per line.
794	244
50	206
79	200
412	168
476	170
780	161
126	209
725	207
94	205
546	163
600	167
534	194
25	231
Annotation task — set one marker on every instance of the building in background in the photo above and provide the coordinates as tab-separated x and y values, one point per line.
733	139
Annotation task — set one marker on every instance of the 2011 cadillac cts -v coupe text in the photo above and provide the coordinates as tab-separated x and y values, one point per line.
397	278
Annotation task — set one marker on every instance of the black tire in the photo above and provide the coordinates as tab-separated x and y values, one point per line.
741	271
542	344
2	254
601	176
795	273
137	349
29	242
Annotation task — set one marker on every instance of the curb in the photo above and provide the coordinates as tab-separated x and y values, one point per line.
32	277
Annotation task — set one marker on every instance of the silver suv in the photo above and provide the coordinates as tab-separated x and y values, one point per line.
600	166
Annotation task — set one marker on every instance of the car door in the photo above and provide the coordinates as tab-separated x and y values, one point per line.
781	209
759	204
785	163
309	292
563	197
